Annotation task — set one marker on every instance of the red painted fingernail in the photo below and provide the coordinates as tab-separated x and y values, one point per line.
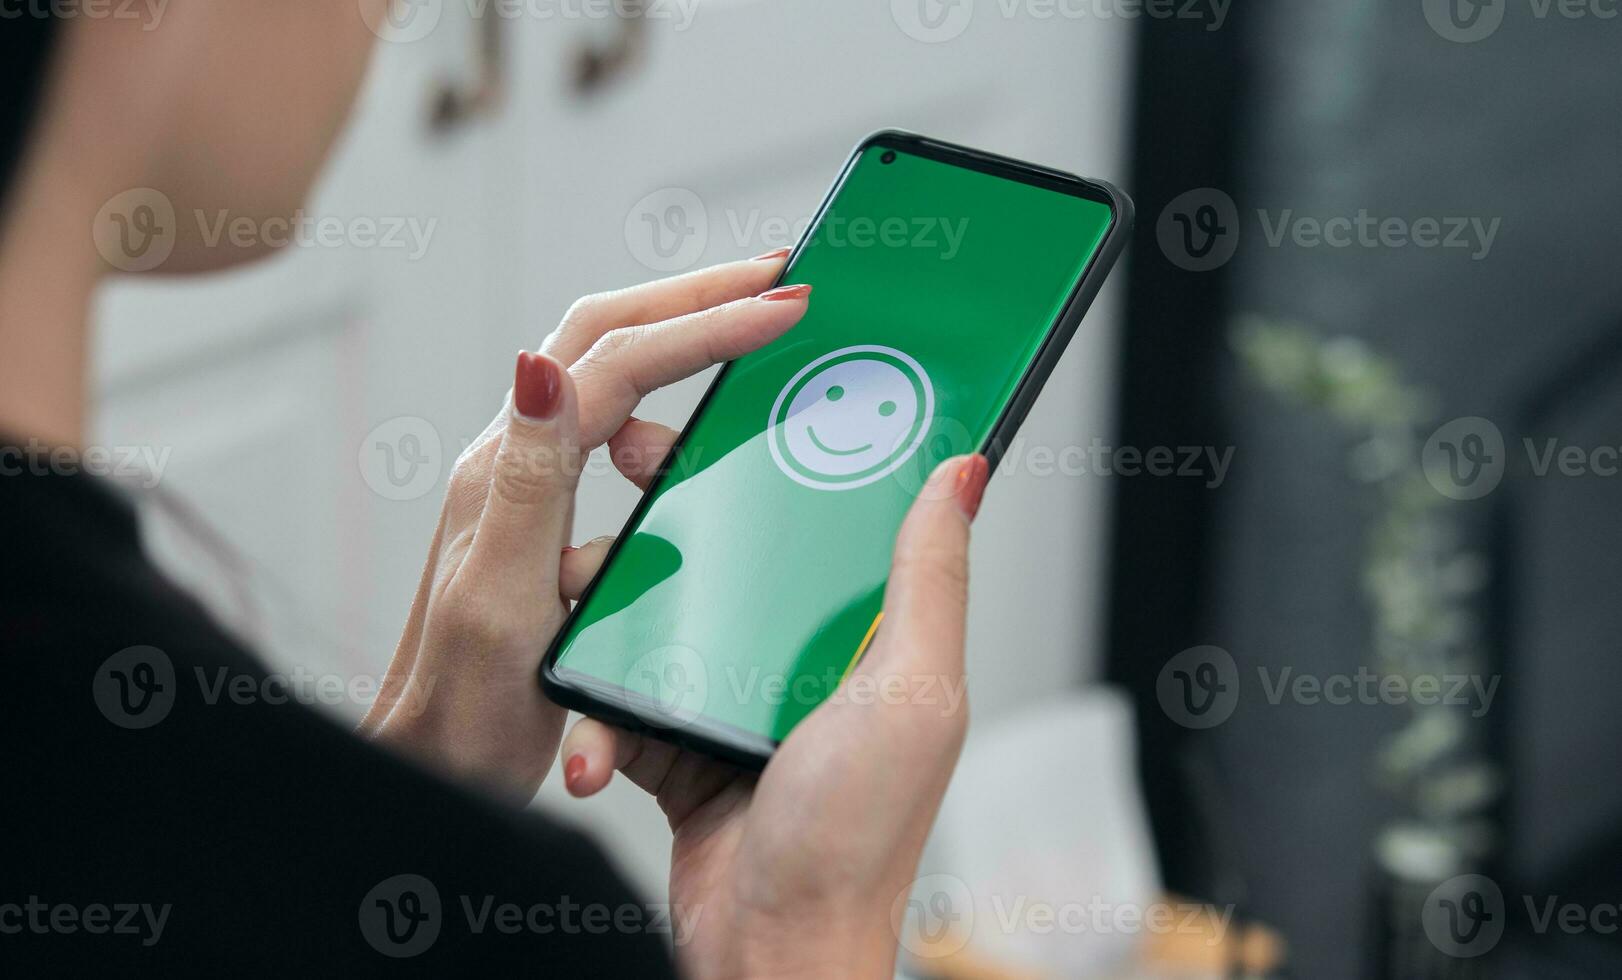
776	253
800	291
971	484
573	770
537	386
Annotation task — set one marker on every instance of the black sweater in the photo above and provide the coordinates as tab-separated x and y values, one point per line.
146	827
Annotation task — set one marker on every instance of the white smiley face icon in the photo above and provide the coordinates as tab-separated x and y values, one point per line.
850	417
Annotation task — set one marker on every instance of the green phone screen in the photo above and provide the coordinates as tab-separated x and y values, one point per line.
756	571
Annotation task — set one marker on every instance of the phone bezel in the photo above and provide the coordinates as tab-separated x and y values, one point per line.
600	699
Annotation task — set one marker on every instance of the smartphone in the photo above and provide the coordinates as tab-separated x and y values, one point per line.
750	578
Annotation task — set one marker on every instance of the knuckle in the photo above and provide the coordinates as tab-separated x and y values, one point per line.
616	342
583	311
473	466
466	489
469	623
522	477
610	360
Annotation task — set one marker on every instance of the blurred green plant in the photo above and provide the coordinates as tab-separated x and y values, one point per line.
1423	584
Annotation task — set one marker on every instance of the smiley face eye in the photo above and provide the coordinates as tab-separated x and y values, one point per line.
887	409
835	393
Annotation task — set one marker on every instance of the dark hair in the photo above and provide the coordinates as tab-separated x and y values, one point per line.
25	50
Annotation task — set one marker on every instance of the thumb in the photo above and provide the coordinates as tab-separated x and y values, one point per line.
927	597
529	503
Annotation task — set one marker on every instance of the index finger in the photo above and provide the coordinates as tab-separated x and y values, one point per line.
628	363
663	299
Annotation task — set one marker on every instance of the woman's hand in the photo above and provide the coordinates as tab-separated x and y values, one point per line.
461	693
799	872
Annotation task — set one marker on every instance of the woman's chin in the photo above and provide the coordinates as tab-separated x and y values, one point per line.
198	259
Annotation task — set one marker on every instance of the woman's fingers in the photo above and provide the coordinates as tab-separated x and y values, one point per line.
680	781
579	566
592	751
530	497
664	299
639	447
628	363
927	597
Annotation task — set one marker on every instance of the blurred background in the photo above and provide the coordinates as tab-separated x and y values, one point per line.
1293	631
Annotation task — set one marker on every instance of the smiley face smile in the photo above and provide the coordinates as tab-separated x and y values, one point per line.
875	400
830	450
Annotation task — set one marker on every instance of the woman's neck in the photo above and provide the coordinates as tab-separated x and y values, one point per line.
48	276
